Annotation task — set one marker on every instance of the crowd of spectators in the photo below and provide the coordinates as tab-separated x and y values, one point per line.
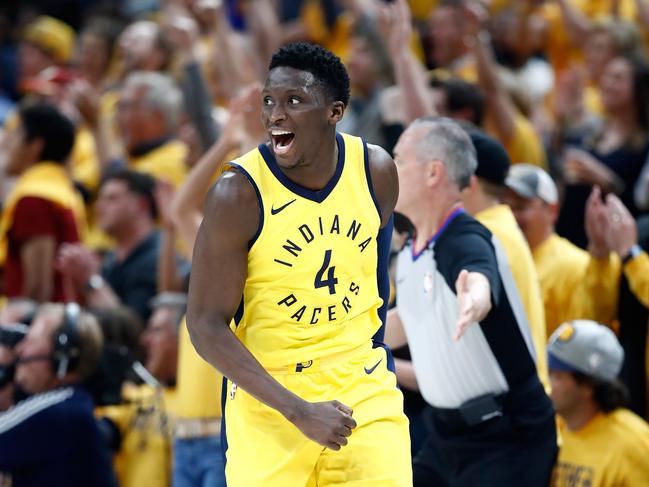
117	116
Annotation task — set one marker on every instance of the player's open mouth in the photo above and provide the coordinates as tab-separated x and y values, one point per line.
282	141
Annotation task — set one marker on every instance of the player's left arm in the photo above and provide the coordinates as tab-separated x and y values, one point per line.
385	181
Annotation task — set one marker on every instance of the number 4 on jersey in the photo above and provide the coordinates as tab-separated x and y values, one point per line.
331	280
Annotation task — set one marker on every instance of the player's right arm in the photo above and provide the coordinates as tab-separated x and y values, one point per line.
219	271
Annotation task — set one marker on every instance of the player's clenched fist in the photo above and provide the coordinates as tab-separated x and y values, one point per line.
327	423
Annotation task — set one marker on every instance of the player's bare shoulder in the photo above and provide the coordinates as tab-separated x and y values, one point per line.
232	204
383	172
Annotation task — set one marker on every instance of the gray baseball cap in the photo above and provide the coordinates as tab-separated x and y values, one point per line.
529	181
587	347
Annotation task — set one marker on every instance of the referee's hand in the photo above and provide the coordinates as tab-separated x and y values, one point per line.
473	300
327	423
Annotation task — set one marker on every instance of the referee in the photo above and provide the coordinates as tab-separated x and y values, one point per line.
473	357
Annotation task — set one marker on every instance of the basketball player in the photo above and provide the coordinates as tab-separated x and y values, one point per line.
293	249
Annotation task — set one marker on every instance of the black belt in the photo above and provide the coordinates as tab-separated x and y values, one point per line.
472	412
484	408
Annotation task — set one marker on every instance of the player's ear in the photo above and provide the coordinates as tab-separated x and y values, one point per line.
337	110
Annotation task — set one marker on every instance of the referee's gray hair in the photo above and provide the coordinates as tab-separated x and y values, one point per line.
447	141
161	94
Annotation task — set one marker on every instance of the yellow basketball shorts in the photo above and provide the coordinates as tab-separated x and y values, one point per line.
265	449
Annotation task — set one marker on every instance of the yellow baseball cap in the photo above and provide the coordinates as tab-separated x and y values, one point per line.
51	35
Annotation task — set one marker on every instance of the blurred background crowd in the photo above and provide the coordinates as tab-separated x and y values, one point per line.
116	116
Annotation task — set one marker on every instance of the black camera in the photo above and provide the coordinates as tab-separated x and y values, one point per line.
10	335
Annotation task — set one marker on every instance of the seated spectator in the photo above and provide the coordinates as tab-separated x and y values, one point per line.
126	211
52	438
604	444
144	451
43	210
160	337
121	328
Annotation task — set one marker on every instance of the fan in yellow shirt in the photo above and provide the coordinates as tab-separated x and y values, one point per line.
197	447
144	456
572	281
604	444
144	418
482	199
148	112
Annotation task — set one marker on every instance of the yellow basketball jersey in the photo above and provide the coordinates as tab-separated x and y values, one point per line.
311	289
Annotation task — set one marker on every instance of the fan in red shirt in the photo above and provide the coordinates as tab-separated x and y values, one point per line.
43	209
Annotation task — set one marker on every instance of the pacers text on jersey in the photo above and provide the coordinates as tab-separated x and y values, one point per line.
326	276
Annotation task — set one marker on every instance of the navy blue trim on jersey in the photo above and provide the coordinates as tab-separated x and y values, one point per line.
317	196
388	353
224	436
259	200
383	241
239	314
368	174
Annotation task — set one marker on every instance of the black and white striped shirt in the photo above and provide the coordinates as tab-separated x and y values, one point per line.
493	356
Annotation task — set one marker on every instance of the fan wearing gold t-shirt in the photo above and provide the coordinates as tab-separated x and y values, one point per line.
604	444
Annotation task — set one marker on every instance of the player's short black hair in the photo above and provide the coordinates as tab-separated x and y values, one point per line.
42	120
327	68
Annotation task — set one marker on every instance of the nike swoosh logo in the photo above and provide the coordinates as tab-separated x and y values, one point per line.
370	370
275	211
